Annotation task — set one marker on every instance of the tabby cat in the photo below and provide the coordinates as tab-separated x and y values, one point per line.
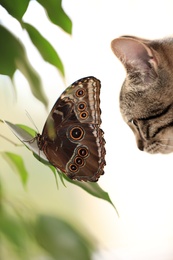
146	97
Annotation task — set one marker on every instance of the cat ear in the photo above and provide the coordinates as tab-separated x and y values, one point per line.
133	53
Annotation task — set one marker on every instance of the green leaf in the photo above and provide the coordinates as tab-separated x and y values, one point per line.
61	240
34	81
17	164
16	8
57	14
28	129
92	188
26	138
24	133
44	47
13	57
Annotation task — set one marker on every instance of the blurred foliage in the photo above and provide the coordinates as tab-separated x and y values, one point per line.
17	164
13	57
35	236
61	239
12	51
44	47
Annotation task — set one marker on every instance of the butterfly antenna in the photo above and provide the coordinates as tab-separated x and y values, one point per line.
31	120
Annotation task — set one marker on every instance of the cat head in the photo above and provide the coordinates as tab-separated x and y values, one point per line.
146	97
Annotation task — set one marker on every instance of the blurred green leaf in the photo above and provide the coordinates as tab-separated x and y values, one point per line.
56	14
16	8
1	196
13	57
17	164
34	81
61	240
44	47
10	50
12	229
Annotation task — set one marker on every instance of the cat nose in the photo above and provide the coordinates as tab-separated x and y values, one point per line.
140	145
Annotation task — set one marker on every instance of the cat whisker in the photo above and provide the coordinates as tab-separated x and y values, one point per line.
162	139
165	145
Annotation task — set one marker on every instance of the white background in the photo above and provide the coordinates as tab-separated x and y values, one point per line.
139	184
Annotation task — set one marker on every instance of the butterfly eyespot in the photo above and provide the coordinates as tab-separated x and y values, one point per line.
83	115
82	106
83	152
80	92
79	161
76	133
73	167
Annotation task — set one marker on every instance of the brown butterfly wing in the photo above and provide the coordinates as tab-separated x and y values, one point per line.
72	139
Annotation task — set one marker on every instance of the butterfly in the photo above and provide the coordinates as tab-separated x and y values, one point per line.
71	138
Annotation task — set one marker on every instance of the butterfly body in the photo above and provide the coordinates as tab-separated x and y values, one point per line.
72	139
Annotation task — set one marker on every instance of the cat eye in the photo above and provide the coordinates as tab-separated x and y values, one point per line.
134	122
